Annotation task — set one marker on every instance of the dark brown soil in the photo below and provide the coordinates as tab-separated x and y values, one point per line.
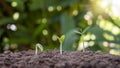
53	59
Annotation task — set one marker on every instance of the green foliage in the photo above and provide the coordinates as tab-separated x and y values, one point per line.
27	22
61	39
70	39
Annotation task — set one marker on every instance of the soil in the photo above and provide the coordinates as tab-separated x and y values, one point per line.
53	59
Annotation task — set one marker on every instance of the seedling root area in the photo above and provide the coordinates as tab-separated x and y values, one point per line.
53	59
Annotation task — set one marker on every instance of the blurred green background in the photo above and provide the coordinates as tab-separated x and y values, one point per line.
24	23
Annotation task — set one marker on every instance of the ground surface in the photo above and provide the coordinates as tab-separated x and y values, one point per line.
53	59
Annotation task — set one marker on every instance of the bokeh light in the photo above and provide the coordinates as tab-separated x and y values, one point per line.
16	16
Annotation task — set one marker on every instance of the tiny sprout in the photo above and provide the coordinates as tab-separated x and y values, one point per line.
38	46
61	40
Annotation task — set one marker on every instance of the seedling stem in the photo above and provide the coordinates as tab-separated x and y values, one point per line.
83	43
61	40
60	47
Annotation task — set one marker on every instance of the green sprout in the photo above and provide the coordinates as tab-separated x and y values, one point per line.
61	40
82	37
38	46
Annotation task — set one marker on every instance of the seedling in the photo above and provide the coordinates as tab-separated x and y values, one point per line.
81	33
82	37
61	40
38	46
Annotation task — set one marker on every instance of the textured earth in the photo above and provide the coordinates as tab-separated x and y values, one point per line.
53	59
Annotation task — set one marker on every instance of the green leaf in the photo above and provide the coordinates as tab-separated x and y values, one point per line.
37	4
70	39
6	20
67	23
61	39
86	29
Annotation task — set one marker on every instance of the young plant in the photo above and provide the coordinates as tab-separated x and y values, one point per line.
82	37
38	46
61	40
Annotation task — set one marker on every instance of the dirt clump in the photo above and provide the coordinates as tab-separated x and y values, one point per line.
53	59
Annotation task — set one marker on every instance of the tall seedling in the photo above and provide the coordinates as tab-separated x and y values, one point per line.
82	37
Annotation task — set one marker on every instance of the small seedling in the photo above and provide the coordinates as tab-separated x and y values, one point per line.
38	46
61	40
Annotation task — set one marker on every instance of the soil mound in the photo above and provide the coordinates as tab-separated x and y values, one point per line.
53	59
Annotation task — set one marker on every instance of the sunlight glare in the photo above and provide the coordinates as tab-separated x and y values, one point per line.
113	4
104	3
115	7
